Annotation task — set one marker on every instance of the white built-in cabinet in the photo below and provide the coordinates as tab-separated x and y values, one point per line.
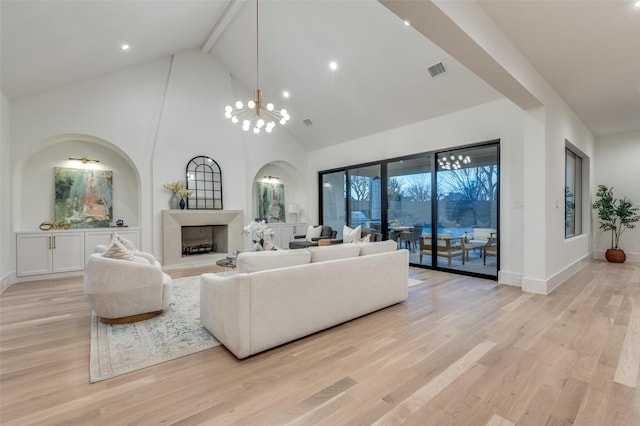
284	232
61	252
49	253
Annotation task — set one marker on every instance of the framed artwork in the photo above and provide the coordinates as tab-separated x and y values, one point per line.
270	198
83	197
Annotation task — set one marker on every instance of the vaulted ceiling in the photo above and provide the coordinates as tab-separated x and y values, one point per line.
587	50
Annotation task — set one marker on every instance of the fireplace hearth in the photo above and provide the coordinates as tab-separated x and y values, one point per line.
208	245
204	239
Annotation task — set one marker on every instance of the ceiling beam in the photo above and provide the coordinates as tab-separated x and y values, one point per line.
221	24
428	19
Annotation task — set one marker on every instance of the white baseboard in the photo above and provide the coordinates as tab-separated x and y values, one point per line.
533	285
510	278
7	280
631	256
48	276
556	280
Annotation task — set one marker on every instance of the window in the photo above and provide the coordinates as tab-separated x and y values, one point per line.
364	196
334	200
441	206
572	194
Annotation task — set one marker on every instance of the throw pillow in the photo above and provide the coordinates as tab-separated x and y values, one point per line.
118	251
128	244
257	247
313	232
349	234
365	239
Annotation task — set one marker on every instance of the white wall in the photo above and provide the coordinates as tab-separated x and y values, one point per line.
495	120
193	124
35	177
155	117
7	251
121	108
549	259
616	166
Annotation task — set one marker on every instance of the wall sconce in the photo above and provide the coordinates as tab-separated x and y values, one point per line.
83	160
269	177
293	209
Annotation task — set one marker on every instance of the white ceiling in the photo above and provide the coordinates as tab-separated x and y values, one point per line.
587	50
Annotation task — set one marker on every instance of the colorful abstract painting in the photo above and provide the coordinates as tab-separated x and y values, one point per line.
83	197
270	198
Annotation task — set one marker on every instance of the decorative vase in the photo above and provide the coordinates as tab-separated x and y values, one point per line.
173	202
182	203
615	255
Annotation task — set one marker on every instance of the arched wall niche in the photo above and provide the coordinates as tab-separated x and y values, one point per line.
34	177
294	188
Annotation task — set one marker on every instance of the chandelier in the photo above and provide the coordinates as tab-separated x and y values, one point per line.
254	114
452	162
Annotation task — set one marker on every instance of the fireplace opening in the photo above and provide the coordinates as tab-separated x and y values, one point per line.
204	239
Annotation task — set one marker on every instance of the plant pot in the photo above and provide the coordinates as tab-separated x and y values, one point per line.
615	255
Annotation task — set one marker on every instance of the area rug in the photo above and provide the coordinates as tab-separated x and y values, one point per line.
121	348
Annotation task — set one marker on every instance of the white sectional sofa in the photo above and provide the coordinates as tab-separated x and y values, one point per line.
275	297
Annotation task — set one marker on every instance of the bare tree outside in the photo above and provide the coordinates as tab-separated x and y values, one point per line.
473	183
419	187
395	190
360	188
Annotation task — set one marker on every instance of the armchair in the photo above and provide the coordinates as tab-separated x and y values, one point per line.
375	236
122	291
300	241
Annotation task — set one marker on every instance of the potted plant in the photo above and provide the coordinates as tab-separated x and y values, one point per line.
616	216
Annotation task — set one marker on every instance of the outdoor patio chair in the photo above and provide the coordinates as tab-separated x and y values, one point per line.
490	249
448	247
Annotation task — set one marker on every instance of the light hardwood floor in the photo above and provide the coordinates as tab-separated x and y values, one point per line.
459	351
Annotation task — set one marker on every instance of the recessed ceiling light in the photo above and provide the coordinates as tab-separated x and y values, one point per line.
125	46
333	65
637	4
285	94
407	23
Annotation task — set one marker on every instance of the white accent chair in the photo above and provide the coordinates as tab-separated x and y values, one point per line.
123	291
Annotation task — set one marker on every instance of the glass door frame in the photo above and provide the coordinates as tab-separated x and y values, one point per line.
435	211
434	202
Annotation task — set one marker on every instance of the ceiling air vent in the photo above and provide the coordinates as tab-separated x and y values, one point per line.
437	69
307	122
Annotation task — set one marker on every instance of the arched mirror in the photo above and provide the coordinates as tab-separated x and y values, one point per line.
204	178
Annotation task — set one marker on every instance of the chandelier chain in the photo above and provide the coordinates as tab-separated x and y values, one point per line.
253	114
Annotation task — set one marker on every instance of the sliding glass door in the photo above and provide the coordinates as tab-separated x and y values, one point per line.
441	206
409	204
364	196
467	210
334	202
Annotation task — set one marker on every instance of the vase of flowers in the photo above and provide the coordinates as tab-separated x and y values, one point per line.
178	191
259	232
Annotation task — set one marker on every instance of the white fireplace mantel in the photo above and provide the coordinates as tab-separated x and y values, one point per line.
174	220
